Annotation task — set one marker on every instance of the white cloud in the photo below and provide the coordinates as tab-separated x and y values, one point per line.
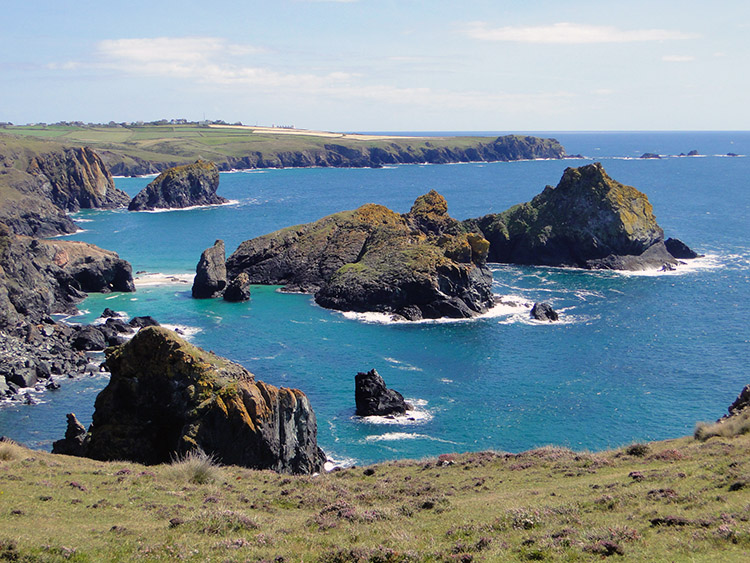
677	58
569	33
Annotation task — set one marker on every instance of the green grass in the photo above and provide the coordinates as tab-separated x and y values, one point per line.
677	500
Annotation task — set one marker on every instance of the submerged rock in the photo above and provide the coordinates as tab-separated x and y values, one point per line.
422	263
181	186
211	273
544	312
588	221
373	398
166	397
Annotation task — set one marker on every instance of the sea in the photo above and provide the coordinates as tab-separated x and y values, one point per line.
636	356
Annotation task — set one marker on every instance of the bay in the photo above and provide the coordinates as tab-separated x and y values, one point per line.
637	357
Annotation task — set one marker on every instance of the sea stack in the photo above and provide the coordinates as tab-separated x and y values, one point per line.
211	272
180	187
373	398
166	397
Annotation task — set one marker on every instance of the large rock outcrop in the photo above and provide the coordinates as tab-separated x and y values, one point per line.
41	180
421	264
211	272
588	221
39	277
179	187
373	398
167	397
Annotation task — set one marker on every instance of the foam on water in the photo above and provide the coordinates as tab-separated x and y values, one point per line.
397	436
417	415
190	208
153	279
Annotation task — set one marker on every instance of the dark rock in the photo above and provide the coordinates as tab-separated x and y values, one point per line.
52	385
89	338
211	272
140	322
588	221
374	399
732	154
181	186
544	312
238	289
75	438
23	374
679	249
109	313
166	397
741	402
650	155
693	153
372	259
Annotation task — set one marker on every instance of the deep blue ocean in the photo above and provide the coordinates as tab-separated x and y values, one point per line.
635	357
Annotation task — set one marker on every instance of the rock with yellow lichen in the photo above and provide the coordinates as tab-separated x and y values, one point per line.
167	397
421	264
588	221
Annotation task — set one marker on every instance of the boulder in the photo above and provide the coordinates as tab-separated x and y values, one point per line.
166	397
588	221
544	312
179	187
679	249
238	289
89	338
211	272
373	259
373	398
144	321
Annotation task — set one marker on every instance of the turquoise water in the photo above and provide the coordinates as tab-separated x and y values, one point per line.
637	357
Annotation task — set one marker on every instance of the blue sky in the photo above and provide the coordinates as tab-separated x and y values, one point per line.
382	65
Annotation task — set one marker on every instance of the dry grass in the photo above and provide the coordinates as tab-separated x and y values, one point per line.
733	426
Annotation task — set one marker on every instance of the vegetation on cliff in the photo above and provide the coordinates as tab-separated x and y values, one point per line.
182	186
419	264
153	148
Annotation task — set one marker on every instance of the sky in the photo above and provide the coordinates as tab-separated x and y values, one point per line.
381	65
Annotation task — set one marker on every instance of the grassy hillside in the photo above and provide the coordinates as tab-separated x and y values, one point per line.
677	500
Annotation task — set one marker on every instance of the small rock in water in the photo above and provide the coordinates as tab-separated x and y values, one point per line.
544	312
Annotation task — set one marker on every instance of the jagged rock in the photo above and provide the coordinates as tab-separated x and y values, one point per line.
544	312
372	259
373	398
741	402
181	186
679	249
89	338
652	155
588	221
75	437
211	272
166	397
238	289
39	277
109	313
144	321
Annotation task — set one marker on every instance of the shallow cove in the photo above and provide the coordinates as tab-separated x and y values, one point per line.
636	357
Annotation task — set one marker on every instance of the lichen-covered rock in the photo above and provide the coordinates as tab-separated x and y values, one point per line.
179	187
211	272
588	221
166	397
373	259
373	398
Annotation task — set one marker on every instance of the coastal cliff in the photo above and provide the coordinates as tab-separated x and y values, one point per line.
421	264
588	221
41	180
166	398
179	187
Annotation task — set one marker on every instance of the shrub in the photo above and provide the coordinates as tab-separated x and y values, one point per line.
637	450
9	450
196	466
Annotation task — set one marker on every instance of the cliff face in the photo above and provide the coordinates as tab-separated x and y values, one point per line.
77	178
181	186
420	264
589	220
166	397
39	277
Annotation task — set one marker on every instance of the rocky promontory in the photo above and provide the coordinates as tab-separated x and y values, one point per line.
180	187
166	397
588	221
422	264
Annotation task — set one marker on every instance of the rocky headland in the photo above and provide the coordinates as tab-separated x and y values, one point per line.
180	187
167	397
588	221
421	264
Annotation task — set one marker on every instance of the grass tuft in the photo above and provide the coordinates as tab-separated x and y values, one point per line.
10	451
728	427
196	467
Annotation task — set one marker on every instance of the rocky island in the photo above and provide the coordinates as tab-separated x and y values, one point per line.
421	264
588	221
179	187
167	397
